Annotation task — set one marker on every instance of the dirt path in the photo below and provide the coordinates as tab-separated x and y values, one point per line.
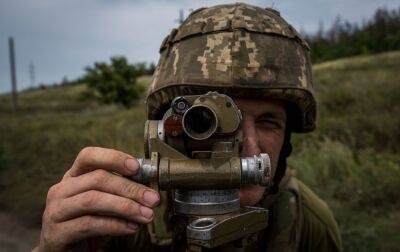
15	235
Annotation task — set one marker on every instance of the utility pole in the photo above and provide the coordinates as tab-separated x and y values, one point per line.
32	74
181	17
13	74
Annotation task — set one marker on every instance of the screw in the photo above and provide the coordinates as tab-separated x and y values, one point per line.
181	105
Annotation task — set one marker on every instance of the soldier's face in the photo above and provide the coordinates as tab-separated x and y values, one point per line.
263	127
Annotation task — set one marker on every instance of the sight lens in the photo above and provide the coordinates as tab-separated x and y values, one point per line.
199	122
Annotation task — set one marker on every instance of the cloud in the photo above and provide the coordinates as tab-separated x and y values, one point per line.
61	37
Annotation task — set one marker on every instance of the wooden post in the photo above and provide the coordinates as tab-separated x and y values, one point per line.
32	74
181	17
13	74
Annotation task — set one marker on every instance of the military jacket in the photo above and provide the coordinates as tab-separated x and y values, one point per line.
299	221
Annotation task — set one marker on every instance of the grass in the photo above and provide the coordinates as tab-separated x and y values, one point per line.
39	142
352	160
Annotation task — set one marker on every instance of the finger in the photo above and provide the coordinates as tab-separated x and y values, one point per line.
84	227
100	203
93	158
104	181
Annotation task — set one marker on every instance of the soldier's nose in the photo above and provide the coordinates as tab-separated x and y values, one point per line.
250	139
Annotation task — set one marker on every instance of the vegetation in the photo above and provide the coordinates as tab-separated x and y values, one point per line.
352	161
343	39
42	139
2	161
115	82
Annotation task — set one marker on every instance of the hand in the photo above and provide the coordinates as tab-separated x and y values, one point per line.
94	201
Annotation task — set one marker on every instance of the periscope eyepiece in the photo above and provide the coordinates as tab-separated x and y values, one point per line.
200	122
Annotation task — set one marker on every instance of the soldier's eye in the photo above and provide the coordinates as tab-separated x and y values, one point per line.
269	123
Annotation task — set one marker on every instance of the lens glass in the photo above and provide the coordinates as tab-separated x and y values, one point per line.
199	122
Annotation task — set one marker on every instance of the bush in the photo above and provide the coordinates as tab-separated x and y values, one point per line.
361	178
115	82
361	187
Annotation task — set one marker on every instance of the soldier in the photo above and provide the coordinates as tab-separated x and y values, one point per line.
249	53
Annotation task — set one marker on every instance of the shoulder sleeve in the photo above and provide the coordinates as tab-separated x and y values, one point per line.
319	230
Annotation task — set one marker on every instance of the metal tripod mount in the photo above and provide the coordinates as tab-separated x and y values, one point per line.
193	161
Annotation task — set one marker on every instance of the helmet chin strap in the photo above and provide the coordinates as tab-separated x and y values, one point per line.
281	168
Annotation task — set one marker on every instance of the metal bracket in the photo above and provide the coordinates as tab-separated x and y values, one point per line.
213	231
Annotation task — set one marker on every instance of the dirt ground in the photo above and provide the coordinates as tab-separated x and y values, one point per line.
15	235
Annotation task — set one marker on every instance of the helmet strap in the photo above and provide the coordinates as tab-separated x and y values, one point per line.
286	150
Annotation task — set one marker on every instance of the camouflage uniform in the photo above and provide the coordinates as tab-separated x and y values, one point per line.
247	52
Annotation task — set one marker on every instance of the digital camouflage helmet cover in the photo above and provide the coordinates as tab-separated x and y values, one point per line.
241	50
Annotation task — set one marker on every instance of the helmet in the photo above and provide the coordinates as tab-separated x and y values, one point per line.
241	50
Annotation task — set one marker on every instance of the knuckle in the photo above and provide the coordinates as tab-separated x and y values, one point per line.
53	191
106	224
126	206
47	215
89	199
134	190
100	176
114	226
51	213
85	153
86	224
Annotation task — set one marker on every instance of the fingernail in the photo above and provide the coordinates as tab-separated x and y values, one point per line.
150	197
132	226
146	212
132	164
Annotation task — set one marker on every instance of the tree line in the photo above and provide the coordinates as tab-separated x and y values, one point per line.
343	39
115	82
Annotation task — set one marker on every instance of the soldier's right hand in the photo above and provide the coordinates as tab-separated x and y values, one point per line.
93	202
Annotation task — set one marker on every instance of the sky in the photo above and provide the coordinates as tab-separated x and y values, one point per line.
62	37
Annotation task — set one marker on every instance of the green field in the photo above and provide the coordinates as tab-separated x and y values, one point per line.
352	160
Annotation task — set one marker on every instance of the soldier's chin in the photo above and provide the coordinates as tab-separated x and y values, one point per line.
250	195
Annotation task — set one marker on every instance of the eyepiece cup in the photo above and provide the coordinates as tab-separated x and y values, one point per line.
200	122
